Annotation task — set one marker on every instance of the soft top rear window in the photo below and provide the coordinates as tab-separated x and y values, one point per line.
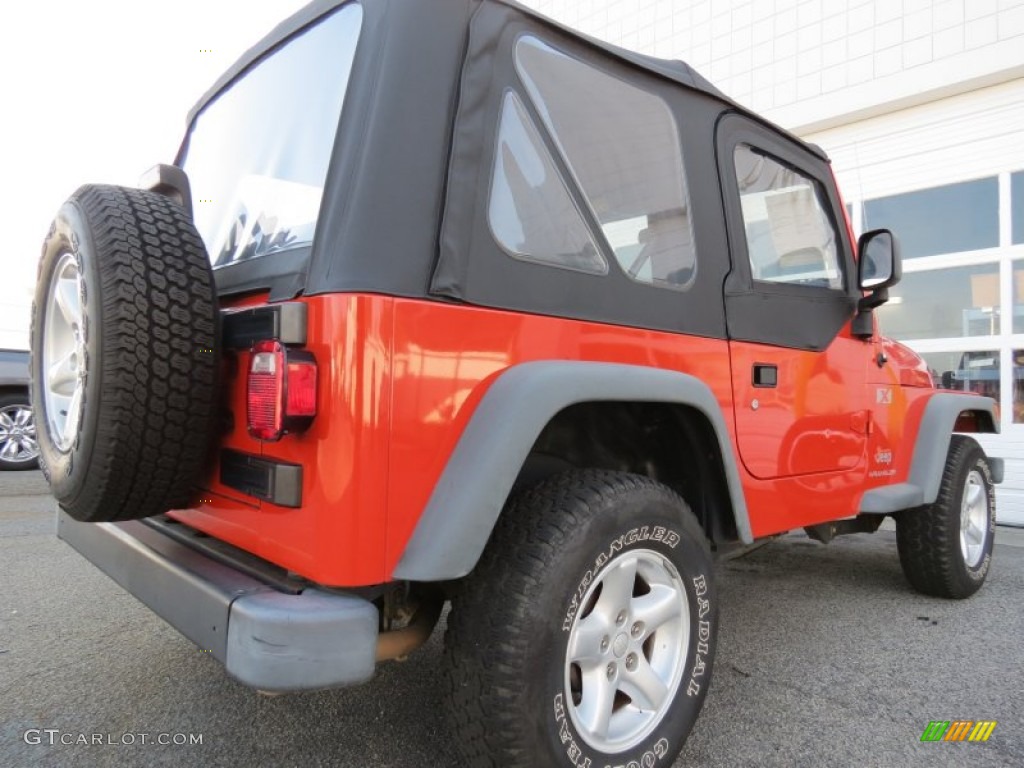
257	156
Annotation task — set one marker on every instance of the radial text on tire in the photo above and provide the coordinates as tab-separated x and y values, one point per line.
124	355
586	633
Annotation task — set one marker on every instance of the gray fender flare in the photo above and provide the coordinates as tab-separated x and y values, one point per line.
930	449
467	499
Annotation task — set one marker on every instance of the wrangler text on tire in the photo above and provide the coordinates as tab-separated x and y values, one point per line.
587	631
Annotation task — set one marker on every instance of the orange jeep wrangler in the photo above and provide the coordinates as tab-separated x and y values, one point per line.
445	302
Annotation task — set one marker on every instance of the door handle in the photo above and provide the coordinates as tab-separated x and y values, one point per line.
765	375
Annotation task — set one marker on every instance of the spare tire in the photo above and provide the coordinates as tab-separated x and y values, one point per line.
124	355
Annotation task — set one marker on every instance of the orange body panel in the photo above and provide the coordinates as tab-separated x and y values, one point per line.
813	420
400	378
338	534
898	393
446	356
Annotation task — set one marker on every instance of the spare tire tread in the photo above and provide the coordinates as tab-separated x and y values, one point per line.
158	357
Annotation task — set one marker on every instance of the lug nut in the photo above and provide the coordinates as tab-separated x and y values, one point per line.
631	662
621	618
637	630
611	671
605	642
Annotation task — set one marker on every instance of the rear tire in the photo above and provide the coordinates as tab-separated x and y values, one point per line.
946	547
587	630
124	355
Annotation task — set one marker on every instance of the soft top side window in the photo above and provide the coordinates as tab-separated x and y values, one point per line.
621	147
531	213
790	237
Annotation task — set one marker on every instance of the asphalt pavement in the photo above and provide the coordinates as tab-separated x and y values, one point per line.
825	657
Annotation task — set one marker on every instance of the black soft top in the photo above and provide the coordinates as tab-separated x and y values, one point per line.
452	12
404	208
446	13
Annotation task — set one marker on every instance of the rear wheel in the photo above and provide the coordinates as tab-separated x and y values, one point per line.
124	355
946	547
587	631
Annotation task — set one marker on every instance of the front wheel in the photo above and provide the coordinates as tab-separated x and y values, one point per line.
946	547
586	634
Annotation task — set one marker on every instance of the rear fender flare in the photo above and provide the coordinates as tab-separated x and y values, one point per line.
471	492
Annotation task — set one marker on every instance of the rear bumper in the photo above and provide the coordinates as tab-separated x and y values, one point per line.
266	639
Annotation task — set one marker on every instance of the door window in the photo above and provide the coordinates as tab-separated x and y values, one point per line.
790	237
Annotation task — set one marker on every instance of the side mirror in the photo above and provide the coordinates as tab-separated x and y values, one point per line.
948	380
878	268
879	265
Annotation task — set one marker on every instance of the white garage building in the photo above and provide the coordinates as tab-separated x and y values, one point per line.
920	104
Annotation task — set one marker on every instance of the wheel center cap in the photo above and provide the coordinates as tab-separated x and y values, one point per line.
620	645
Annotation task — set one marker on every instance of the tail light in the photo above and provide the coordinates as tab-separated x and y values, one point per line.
281	390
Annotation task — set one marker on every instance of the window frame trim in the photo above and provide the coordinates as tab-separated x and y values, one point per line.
776	146
805	317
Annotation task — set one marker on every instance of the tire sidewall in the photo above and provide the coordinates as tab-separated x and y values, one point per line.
608	536
975	461
66	470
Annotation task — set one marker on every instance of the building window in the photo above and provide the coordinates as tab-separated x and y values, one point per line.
976	372
943	303
531	213
622	146
1018	296
1017	205
1018	386
947	219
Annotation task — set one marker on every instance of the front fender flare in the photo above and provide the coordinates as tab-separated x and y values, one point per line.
930	449
468	498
